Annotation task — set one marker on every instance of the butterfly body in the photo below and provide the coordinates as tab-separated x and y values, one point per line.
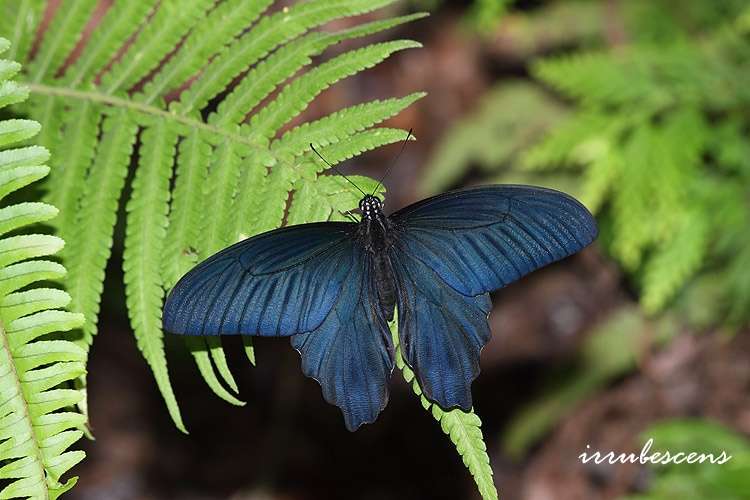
334	286
375	234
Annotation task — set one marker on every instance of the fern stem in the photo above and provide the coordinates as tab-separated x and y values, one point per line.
145	109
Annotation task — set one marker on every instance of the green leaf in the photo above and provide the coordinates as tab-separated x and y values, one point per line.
270	32
173	19
121	21
297	95
144	242
87	252
61	36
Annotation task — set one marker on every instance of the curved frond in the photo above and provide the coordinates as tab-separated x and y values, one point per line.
36	366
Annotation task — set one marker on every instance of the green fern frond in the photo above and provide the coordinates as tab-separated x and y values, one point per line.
220	184
507	119
227	20
121	21
560	148
183	234
297	95
172	21
651	150
269	33
18	21
204	349
60	37
35	366
463	429
272	71
144	242
81	129
340	125
668	270
88	249
218	63
357	144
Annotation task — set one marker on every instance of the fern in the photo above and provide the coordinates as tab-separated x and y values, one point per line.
36	425
657	136
463	429
198	95
509	118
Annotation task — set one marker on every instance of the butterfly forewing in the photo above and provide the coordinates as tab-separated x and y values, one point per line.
481	239
279	283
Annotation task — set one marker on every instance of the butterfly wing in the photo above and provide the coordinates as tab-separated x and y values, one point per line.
279	283
450	250
351	353
441	331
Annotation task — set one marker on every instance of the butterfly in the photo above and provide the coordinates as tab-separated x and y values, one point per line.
333	288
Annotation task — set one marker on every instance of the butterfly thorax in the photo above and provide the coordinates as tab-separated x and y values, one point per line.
374	231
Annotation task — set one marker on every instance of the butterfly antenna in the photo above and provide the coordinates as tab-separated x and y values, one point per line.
336	169
393	162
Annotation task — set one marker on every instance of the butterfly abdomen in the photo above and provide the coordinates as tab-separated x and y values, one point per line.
385	285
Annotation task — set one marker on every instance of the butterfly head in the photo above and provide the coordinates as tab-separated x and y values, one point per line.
371	207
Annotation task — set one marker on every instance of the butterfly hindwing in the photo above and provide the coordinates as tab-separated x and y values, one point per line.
450	251
481	239
351	353
441	331
279	283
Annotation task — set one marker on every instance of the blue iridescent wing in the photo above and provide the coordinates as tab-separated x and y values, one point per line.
441	331
451	250
351	353
481	239
279	283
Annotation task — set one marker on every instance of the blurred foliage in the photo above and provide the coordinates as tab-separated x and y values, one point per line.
728	481
509	119
610	351
482	17
654	142
650	130
659	136
558	24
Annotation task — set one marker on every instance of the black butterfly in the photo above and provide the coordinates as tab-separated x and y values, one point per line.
333	286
